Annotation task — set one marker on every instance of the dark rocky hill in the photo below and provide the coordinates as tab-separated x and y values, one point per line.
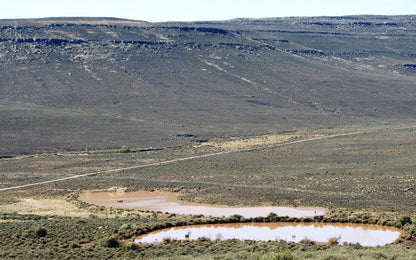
95	83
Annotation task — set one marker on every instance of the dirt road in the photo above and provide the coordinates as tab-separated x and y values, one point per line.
197	157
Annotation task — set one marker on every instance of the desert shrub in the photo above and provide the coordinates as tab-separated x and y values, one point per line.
372	221
235	218
379	255
355	245
125	149
41	232
336	257
74	245
131	246
405	220
108	242
333	241
273	217
307	241
282	256
203	239
306	220
167	240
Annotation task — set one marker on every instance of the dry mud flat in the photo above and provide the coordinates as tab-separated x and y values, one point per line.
365	235
168	202
43	207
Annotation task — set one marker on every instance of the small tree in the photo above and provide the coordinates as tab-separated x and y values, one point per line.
236	218
273	217
41	232
404	220
108	242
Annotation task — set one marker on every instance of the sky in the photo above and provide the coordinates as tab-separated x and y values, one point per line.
197	10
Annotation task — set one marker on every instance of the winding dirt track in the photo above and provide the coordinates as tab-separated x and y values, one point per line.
198	157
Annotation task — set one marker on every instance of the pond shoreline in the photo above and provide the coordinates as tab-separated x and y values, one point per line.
335	233
169	203
334	216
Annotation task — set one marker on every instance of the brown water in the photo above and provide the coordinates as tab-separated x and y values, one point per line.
366	235
168	202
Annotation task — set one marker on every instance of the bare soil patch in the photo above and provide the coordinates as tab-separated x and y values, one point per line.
57	207
237	144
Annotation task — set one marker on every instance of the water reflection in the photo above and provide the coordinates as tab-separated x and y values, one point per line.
168	202
366	235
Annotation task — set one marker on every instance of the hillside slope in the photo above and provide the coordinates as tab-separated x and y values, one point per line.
95	83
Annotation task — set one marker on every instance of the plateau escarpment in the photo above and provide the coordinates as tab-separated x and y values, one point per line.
97	83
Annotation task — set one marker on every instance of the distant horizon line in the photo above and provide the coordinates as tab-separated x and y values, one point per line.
214	20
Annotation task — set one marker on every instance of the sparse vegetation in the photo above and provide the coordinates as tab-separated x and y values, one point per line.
282	256
41	232
108	242
405	220
96	236
95	123
93	231
125	149
131	246
67	64
333	241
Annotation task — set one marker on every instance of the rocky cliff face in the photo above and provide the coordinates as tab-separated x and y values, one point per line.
78	83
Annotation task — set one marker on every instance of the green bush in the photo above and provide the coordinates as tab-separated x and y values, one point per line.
333	241
41	232
307	241
167	240
125	149
235	218
405	220
282	256
74	245
108	242
273	217
131	246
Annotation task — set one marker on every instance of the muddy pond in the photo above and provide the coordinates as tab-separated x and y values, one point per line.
168	202
365	235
